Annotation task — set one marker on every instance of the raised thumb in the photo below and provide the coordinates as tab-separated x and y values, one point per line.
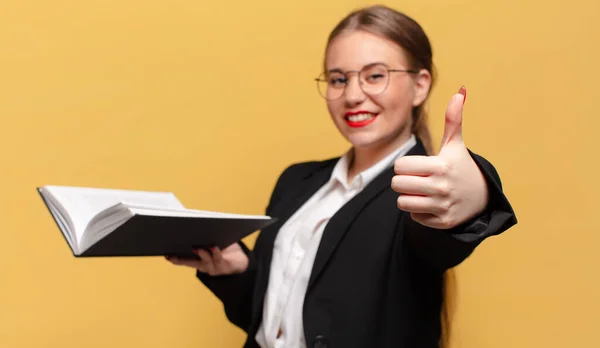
453	124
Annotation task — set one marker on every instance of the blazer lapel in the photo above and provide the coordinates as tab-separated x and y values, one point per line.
341	221
298	195
295	197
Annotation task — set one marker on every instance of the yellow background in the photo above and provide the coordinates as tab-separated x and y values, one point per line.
212	99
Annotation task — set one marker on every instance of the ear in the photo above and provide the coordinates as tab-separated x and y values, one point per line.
421	86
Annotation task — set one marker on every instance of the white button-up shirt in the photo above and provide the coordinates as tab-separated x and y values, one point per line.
296	246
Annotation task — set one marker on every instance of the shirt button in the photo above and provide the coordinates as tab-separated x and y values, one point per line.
320	342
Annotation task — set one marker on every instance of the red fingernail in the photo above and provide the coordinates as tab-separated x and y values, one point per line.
463	91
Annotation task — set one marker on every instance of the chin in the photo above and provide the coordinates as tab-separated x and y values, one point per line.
363	141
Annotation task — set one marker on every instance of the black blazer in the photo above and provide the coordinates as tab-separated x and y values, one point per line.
377	279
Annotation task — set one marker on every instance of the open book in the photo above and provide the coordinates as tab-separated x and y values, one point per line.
113	222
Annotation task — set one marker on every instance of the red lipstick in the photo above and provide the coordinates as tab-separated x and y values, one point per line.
361	123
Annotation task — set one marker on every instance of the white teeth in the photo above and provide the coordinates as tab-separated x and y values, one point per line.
360	117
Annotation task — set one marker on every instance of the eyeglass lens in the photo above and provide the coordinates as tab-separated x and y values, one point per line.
373	80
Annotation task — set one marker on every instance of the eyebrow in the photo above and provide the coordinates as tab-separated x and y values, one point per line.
365	66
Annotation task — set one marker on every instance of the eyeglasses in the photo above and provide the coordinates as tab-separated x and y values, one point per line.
373	80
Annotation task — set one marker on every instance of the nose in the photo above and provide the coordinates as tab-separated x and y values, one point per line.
354	94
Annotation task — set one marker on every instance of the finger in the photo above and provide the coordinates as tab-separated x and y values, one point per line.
432	220
418	185
420	204
453	122
419	165
204	255
208	264
217	254
179	261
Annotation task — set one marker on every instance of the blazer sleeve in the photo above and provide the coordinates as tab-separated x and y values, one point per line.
236	291
447	248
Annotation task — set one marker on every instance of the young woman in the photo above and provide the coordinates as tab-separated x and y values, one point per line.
362	244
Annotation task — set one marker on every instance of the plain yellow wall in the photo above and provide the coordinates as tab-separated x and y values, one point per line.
212	99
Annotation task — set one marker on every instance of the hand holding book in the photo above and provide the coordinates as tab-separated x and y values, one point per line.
215	262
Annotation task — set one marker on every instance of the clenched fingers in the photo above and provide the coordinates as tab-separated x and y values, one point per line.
420	185
423	204
420	166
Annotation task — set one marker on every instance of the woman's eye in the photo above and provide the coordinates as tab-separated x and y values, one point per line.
375	77
338	81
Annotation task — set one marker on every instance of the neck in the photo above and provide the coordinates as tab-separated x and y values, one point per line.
366	157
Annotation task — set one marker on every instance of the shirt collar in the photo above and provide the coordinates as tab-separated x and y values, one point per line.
362	179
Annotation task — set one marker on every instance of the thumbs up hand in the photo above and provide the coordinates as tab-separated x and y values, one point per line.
446	190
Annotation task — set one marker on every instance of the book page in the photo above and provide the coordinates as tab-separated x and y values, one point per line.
83	203
64	227
144	209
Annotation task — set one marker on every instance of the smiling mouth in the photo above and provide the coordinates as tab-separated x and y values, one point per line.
360	119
